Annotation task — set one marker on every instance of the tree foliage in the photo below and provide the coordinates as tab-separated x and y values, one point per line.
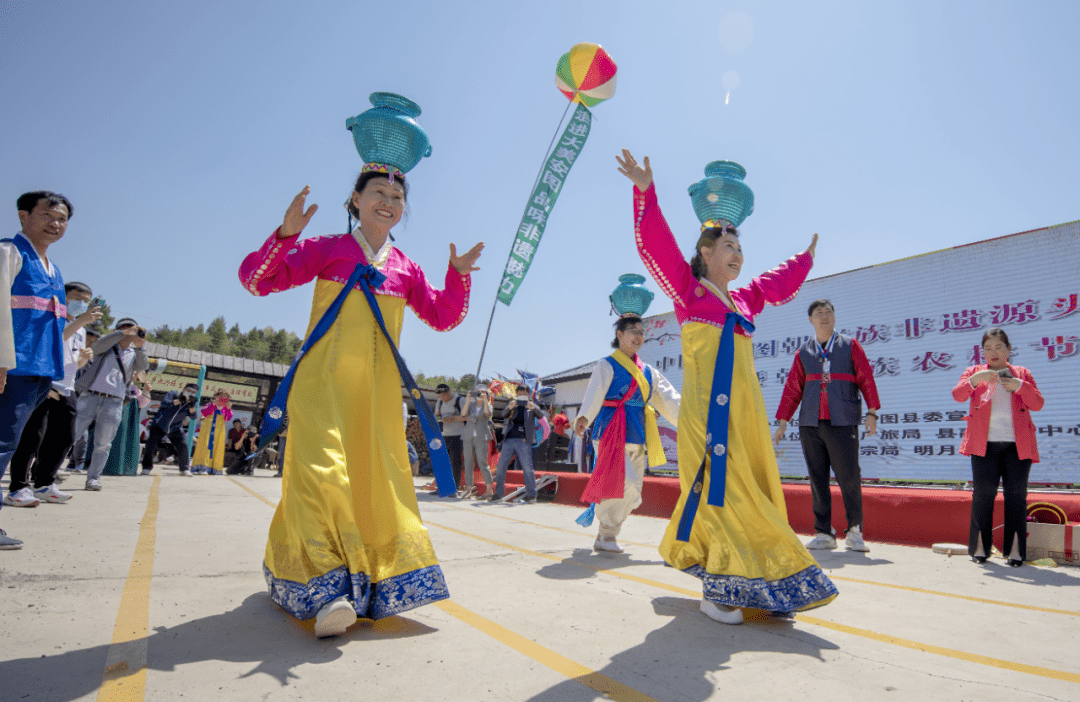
268	344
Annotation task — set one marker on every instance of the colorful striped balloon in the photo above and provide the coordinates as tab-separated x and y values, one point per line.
586	74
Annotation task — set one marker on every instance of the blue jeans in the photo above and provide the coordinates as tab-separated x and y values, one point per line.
106	411
521	449
22	395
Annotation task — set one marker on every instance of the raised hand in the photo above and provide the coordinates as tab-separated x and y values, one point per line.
628	166
812	248
295	217
464	264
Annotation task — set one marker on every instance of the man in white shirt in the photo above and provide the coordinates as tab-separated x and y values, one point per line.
49	432
448	410
118	356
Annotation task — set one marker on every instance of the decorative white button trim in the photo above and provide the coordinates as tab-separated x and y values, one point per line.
435	444
719	450
292	251
721	399
275	413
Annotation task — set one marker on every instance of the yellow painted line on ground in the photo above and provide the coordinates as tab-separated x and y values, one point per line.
611	689
864	633
257	495
949	652
969	598
125	664
557	559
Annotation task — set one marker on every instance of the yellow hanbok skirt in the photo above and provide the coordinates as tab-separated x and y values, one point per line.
745	552
205	455
348	521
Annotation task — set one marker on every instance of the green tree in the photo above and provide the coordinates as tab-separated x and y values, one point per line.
218	336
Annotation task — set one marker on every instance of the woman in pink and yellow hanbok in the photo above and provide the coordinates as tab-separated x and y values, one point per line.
730	525
346	538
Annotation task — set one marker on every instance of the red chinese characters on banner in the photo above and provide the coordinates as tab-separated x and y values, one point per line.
964	320
1057	347
1064	306
1019	313
932	360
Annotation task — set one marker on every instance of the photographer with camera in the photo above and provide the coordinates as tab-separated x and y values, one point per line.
169	421
1000	438
242	446
477	413
103	386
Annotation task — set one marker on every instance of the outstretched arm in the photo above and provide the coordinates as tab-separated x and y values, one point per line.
655	243
283	262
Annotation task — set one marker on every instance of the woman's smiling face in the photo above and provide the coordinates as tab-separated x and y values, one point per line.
724	259
381	203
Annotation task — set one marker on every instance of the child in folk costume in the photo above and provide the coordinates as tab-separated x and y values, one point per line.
213	436
346	538
730	526
623	397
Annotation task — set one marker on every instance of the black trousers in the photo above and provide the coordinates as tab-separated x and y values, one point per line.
825	447
176	438
1001	463
45	441
457	458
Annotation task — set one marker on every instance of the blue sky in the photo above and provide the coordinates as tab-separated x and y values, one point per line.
181	132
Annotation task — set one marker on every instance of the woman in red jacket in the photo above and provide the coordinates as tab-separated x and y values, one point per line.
1000	439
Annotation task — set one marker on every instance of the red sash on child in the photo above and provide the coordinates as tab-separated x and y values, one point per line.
609	476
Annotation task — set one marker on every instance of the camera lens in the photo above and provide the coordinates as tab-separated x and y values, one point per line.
141	333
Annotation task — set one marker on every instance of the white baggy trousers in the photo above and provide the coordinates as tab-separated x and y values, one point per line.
612	513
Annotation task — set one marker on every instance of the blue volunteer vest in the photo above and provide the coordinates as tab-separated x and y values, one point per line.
635	406
845	400
38	315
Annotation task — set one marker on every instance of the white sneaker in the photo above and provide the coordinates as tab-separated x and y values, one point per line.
334	618
724	615
854	540
185	473
607	544
822	542
51	494
92	485
23	497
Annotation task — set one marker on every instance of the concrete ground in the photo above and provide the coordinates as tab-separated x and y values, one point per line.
152	590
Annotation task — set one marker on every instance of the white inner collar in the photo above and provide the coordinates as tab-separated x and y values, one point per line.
377	259
724	297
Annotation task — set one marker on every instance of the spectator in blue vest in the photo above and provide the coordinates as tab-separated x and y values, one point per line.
827	375
33	313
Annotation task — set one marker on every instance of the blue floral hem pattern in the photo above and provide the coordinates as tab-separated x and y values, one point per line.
371	601
804	590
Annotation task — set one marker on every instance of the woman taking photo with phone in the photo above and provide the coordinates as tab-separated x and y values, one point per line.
1000	439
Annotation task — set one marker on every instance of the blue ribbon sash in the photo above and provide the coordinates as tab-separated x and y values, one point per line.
210	442
369	278
716	428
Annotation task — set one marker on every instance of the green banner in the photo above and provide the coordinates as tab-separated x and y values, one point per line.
542	201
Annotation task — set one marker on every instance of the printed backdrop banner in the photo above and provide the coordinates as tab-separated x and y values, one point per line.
921	321
542	201
165	382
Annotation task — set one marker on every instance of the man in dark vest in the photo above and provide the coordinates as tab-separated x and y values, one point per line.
829	372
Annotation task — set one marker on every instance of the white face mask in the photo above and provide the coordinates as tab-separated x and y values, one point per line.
77	307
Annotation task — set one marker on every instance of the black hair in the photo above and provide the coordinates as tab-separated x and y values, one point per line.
708	238
77	287
361	183
28	201
235	421
623	324
521	388
192	385
996	332
819	303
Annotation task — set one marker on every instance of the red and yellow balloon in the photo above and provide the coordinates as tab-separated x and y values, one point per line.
586	74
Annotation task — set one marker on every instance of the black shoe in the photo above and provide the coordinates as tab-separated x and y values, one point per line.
978	559
1013	563
494	498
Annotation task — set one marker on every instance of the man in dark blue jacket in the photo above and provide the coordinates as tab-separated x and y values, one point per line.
169	421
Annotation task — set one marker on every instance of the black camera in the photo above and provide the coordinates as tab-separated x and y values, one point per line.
1004	374
141	332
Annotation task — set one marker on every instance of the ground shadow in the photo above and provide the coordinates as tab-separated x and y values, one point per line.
831	560
255	632
1031	575
584	563
704	647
